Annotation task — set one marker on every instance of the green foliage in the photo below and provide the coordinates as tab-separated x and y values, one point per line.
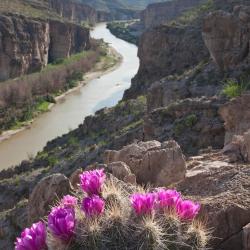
187	122
191	15
233	88
52	160
73	141
191	120
43	106
123	30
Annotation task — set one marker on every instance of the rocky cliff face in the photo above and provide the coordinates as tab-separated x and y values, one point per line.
227	37
160	13
73	11
163	51
67	39
26	44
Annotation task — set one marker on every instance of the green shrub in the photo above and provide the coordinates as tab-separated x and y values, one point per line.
233	88
191	120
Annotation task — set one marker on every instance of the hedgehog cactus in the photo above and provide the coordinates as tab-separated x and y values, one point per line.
106	214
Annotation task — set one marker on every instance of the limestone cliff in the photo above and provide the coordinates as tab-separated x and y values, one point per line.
227	37
166	50
160	13
26	44
66	39
73	11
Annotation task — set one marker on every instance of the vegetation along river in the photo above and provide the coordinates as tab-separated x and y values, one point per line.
101	92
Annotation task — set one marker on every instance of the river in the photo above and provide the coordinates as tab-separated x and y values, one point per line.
105	91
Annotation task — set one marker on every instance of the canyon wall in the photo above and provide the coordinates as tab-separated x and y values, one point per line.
160	13
27	44
163	51
227	37
75	12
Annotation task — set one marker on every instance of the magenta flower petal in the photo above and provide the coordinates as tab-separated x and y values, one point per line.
187	209
33	238
93	206
167	198
69	201
143	203
92	181
61	223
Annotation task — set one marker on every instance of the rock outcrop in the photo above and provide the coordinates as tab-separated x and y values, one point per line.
161	13
236	114
74	11
227	37
26	44
67	39
160	164
164	51
45	194
193	123
122	172
223	189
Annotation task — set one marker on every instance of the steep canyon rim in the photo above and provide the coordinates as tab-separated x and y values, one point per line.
104	91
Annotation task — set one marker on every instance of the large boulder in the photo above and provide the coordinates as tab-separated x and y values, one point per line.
45	195
152	162
122	172
236	115
224	191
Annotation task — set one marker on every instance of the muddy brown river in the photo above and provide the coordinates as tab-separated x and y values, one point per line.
105	91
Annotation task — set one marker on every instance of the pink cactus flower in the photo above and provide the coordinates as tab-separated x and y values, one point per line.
187	209
167	198
33	238
143	203
92	181
93	206
68	201
61	223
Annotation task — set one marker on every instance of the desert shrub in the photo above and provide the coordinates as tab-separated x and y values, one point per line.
108	214
233	88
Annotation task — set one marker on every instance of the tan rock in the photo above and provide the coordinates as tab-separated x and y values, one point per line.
152	162
224	191
75	178
236	115
227	36
122	172
45	195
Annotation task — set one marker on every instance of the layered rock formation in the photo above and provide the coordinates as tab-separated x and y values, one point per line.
27	44
163	51
193	123
223	189
227	37
67	39
152	162
236	115
24	45
160	13
74	11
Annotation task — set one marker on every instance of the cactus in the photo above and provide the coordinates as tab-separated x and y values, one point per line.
112	216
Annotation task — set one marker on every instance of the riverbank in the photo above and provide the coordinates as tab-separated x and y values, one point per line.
107	64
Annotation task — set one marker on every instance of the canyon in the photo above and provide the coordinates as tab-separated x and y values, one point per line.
28	45
176	126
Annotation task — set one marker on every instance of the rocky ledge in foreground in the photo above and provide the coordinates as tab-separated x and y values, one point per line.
221	187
